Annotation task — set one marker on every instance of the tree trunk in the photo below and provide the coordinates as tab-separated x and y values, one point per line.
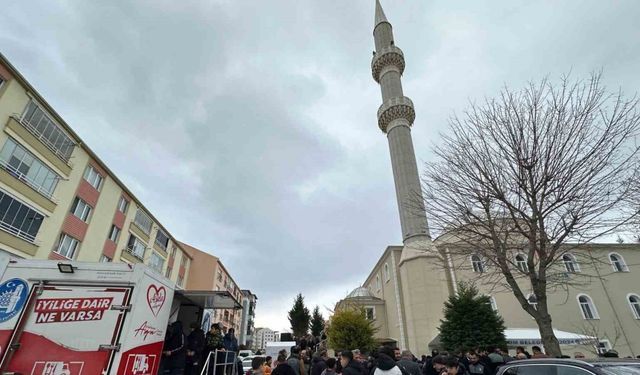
549	340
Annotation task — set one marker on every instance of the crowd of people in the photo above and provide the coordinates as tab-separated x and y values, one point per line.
188	354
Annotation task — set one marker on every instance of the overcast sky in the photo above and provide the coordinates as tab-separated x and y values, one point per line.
249	127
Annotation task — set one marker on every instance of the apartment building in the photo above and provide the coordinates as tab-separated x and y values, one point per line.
247	328
264	336
208	273
59	201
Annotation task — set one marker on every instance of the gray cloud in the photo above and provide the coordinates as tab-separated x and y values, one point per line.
249	128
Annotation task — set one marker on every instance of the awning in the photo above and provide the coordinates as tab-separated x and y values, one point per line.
531	336
209	299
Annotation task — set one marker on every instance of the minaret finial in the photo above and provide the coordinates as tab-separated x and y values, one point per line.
380	17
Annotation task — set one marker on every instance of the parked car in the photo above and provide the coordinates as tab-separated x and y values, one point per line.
245	353
246	363
552	366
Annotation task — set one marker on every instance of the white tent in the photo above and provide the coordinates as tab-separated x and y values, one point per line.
531	336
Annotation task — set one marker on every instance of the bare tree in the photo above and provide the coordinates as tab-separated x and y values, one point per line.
522	178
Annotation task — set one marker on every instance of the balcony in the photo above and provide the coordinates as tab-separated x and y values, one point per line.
132	255
40	124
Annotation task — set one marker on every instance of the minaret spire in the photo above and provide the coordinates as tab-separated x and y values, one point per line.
395	118
380	17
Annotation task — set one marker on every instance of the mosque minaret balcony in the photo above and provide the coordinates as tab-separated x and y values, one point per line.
388	58
394	109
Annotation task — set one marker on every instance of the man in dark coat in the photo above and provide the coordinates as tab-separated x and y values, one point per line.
174	351
408	365
282	367
195	348
349	365
318	363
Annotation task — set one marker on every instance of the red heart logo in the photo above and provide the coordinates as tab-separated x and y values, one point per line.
155	298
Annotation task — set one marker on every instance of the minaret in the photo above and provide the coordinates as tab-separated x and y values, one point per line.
423	287
395	117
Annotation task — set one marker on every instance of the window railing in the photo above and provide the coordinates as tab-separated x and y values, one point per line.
24	178
63	154
133	251
17	232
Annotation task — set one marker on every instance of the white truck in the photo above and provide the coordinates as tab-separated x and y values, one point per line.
90	318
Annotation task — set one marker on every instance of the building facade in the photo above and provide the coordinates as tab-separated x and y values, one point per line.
59	201
264	336
600	301
208	273
405	292
247	328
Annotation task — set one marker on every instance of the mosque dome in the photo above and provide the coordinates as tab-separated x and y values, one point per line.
361	292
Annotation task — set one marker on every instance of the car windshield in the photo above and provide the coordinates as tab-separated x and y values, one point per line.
621	369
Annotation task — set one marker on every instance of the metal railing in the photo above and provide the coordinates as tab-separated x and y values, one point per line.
17	232
131	251
223	363
23	177
40	136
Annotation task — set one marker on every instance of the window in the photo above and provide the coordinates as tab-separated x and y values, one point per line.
184	262
634	303
476	262
180	281
23	165
49	133
570	263
494	305
143	221
521	263
167	273
603	346
105	259
18	218
219	276
173	254
162	239
617	262
546	369
123	204
533	300
136	247
1	82
587	307
370	313
378	283
92	176
114	233
387	276
67	246
81	209
156	262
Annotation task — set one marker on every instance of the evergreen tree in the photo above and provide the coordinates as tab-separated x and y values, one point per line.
349	329
470	321
299	317
317	322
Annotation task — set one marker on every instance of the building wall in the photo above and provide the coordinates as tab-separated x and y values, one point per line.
609	293
15	94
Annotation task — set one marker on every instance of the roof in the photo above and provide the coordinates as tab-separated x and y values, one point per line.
531	336
361	292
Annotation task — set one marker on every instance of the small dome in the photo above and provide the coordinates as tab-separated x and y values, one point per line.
361	292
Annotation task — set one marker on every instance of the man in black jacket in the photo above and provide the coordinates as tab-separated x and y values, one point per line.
407	363
318	363
349	365
195	348
174	351
282	368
